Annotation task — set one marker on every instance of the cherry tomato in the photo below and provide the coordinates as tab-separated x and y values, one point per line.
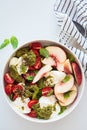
32	114
8	89
15	96
32	102
31	68
36	45
46	90
37	64
17	89
8	78
35	52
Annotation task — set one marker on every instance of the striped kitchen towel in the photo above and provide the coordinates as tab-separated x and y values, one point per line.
66	12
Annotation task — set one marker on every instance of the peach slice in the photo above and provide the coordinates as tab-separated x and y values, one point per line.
42	72
65	66
65	101
77	72
63	87
60	66
57	53
49	61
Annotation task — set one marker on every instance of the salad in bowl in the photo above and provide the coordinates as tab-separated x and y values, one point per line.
43	81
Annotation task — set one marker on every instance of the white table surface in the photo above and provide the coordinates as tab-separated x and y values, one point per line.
30	20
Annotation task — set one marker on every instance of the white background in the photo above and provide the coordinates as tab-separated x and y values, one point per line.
31	20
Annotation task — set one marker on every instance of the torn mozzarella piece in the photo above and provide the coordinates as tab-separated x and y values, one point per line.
56	76
17	62
46	101
56	111
20	61
51	100
13	61
21	105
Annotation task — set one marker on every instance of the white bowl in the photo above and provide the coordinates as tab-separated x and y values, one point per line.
71	108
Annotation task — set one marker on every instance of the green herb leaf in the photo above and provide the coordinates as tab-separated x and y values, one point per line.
67	94
63	108
44	52
5	43
67	78
70	57
14	42
30	58
30	78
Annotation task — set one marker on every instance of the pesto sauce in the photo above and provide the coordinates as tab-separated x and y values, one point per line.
32	92
29	58
14	74
22	51
43	113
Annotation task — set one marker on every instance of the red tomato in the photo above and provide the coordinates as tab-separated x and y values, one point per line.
36	52
8	78
36	45
37	64
15	96
32	114
17	89
46	90
32	102
31	68
8	89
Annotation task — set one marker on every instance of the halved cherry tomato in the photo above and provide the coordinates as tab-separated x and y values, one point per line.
37	64
32	102
17	89
8	78
31	68
15	96
35	52
46	90
36	45
8	89
32	114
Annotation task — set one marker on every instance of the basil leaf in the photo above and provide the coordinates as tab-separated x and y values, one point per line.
44	52
30	78
5	43
63	108
67	78
67	94
70	57
14	42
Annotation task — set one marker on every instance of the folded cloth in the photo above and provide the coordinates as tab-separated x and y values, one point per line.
66	12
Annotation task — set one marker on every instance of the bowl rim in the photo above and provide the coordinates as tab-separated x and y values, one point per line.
69	110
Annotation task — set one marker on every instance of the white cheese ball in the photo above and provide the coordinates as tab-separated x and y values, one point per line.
46	101
51	100
57	76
